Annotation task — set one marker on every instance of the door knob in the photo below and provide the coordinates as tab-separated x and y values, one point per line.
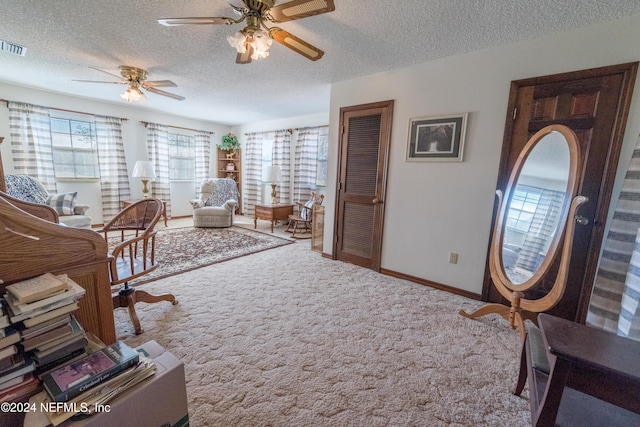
376	201
581	220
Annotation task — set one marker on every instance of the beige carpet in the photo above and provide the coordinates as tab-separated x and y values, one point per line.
285	337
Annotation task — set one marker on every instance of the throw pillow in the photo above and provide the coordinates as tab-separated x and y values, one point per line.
62	203
306	213
196	203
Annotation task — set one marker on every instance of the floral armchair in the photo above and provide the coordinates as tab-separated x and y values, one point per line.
29	189
217	203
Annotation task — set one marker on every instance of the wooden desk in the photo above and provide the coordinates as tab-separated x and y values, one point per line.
272	213
593	375
126	203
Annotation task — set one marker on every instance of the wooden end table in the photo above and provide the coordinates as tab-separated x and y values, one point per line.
128	202
272	213
588	367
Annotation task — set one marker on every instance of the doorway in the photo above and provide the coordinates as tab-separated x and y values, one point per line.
594	103
363	158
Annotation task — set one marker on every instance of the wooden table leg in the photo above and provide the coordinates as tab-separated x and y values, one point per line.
255	222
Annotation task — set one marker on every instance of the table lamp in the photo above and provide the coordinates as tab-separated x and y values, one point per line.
273	175
144	169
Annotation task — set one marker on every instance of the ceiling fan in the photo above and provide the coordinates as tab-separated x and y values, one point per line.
136	78
254	40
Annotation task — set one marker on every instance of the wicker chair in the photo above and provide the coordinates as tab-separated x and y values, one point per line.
134	256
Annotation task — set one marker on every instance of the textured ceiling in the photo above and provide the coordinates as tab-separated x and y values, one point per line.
65	37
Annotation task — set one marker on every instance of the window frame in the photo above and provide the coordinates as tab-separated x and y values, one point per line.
173	143
57	149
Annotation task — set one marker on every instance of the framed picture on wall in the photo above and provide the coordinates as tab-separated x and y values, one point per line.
438	138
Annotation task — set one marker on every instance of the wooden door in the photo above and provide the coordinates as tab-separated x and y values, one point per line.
365	135
594	104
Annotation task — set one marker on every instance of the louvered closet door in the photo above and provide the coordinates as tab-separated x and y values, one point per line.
364	151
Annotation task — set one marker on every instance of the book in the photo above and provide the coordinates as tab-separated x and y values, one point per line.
42	369
59	342
75	378
43	327
23	368
71	293
36	288
8	351
10	362
30	322
56	354
27	387
44	338
12	337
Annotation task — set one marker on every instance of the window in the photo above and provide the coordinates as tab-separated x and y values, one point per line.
322	159
523	205
74	148
181	158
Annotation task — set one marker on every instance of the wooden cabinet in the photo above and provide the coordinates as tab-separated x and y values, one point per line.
230	168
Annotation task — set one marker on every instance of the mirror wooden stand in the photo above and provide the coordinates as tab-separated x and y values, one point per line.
534	226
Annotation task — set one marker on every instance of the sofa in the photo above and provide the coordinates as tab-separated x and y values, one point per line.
29	189
216	203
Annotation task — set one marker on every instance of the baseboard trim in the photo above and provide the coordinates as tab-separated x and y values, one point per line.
431	284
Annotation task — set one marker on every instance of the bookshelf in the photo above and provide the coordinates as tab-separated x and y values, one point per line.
230	168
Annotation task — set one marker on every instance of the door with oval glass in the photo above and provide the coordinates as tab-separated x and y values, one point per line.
594	104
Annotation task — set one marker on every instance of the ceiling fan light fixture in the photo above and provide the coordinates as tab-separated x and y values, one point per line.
261	43
259	40
237	41
133	94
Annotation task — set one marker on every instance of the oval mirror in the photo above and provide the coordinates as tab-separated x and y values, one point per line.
534	218
535	208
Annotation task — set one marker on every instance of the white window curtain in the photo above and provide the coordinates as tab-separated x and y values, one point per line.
281	157
158	148
252	172
203	156
304	176
30	132
114	179
616	291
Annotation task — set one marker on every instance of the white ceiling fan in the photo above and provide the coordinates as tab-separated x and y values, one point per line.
136	78
254	40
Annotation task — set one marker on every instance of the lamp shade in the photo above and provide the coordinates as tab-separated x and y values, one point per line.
273	174
143	169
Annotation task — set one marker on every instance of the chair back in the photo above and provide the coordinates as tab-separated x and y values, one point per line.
142	215
134	256
217	191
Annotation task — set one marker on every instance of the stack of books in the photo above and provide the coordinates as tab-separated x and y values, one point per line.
42	333
92	381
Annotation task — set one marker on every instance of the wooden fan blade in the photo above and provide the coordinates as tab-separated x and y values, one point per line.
294	43
111	74
163	93
297	9
159	83
214	20
244	58
99	81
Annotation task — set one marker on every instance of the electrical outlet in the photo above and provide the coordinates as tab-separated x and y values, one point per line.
453	258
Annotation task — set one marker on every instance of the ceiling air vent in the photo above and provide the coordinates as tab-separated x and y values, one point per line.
13	48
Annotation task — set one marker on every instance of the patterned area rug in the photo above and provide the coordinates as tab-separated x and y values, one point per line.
184	249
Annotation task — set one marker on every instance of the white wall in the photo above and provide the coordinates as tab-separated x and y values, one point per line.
436	208
133	134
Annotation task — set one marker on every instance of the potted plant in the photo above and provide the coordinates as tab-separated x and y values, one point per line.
229	144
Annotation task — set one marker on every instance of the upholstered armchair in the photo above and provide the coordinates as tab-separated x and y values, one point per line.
29	189
216	203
